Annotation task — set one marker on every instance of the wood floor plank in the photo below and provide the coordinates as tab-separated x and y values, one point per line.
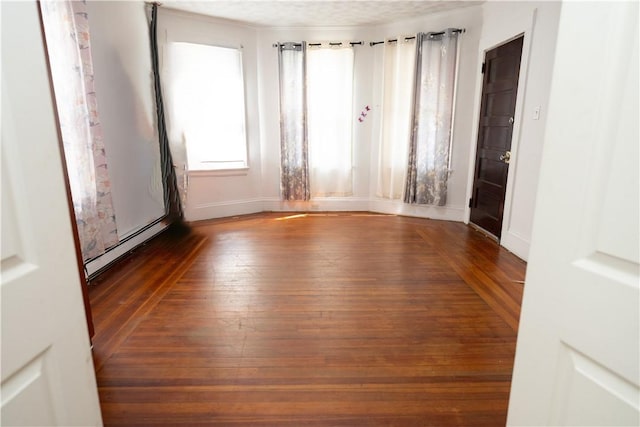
287	319
121	302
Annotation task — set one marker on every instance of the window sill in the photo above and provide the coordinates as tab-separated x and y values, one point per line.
218	172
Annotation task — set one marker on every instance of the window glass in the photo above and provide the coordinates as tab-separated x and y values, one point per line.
207	90
330	120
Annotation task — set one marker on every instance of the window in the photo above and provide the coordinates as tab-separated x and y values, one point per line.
207	92
316	116
330	119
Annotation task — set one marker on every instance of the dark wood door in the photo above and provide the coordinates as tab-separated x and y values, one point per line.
499	88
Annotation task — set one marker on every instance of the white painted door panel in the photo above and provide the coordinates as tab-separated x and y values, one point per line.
47	369
577	358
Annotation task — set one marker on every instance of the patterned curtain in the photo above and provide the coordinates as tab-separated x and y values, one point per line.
397	112
294	153
66	26
428	169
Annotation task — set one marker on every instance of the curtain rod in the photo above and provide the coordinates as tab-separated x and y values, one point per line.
282	44
320	44
455	30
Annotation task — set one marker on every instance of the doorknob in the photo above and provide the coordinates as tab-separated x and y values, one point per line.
506	157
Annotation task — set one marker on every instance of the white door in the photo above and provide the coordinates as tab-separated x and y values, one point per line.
577	358
47	369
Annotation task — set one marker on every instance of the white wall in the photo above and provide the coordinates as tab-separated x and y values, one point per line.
538	21
126	105
124	88
214	194
471	20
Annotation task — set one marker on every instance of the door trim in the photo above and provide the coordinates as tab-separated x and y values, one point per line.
522	25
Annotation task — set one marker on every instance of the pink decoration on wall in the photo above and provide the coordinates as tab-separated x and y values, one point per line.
363	113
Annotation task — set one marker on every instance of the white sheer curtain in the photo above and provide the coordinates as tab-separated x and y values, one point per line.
397	106
66	28
433	113
330	119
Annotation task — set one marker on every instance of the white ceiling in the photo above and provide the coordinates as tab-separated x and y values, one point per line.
316	13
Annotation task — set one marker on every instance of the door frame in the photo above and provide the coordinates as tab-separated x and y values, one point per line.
521	25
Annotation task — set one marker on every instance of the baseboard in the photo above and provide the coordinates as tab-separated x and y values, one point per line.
106	259
396	207
322	204
224	209
516	244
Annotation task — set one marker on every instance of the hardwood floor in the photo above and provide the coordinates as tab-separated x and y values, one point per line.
327	320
